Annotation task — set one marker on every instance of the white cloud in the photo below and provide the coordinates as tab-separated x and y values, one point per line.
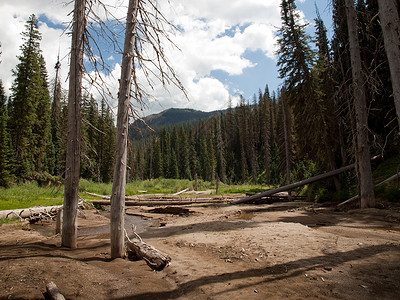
215	36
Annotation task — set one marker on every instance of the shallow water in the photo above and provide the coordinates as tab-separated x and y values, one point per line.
140	223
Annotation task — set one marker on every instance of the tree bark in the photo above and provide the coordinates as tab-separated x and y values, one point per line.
363	155
390	23
70	221
118	189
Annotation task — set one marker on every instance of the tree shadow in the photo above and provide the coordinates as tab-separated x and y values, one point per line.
269	274
210	226
41	249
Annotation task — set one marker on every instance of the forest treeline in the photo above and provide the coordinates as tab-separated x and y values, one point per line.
306	127
33	123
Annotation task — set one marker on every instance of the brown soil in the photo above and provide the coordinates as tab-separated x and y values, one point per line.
286	250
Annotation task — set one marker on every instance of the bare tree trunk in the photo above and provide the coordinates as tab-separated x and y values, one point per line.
70	224
286	135
390	23
363	155
119	182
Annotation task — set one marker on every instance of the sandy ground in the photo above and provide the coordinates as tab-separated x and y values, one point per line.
277	251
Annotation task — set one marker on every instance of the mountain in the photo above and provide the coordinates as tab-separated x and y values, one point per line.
169	118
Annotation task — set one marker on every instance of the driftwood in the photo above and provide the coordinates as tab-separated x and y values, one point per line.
137	249
164	202
53	291
293	185
34	214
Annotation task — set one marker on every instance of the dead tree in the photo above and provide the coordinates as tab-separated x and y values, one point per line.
118	189
145	29
363	155
69	226
390	23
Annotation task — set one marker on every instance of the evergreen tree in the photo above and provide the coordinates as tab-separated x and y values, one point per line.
294	62
184	165
157	163
4	140
56	133
106	143
29	107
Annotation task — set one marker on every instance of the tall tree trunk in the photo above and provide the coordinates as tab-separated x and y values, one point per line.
118	189
363	155
70	224
286	136
390	23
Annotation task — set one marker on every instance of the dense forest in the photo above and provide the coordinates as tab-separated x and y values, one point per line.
33	123
307	127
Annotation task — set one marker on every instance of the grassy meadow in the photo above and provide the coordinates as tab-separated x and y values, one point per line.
31	194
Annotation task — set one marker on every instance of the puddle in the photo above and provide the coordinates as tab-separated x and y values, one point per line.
140	223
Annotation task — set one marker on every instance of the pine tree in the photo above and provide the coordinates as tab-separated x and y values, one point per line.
56	133
106	143
29	108
157	163
184	165
294	62
4	140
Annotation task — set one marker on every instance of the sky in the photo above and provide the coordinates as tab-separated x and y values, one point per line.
226	47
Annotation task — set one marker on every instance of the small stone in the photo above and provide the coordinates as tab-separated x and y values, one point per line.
255	291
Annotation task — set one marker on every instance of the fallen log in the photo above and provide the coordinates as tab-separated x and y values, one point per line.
53	291
137	249
294	185
31	212
181	192
162	202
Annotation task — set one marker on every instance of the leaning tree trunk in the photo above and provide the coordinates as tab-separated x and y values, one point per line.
363	155
118	189
70	224
390	23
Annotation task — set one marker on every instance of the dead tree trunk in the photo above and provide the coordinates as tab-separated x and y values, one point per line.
70	225
137	249
363	155
390	23
294	185
285	113
118	189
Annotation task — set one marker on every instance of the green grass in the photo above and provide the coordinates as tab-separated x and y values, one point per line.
31	194
28	195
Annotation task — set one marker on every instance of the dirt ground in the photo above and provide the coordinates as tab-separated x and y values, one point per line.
276	251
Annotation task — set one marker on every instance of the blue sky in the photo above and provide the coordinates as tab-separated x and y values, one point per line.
227	47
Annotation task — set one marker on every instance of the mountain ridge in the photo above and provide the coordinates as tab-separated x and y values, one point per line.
169	118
